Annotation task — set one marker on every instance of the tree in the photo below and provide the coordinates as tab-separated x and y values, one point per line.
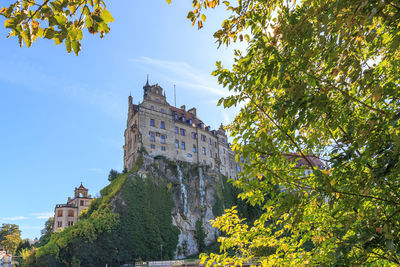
59	20
319	77
46	232
11	242
8	229
112	175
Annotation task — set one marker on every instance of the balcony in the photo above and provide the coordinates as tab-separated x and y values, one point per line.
65	206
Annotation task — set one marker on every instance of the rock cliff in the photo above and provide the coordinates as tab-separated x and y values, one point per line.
193	191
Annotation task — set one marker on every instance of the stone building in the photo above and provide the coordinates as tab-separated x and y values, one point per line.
176	133
68	214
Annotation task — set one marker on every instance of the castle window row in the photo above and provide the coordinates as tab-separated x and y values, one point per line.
153	138
153	146
153	124
161	110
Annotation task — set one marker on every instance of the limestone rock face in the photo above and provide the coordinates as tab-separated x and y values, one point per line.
194	189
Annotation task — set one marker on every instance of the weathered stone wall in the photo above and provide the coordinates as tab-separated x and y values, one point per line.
194	189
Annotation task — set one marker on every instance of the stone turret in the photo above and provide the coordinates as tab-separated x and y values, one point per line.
81	191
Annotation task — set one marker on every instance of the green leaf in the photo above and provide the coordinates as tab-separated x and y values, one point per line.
76	46
97	18
61	19
106	16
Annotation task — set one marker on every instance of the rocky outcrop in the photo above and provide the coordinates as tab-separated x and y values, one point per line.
193	189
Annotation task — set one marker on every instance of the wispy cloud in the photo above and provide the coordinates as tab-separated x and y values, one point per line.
16	218
42	215
97	170
30	227
185	75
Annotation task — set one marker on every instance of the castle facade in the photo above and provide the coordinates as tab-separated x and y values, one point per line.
176	133
68	214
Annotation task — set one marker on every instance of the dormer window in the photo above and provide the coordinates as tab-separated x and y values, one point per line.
183	118
176	116
190	121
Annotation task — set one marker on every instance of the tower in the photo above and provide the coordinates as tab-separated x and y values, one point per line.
81	191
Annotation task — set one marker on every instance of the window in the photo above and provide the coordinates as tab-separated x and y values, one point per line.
163	148
190	121
60	213
193	135
152	146
71	213
223	150
210	140
162	110
203	149
82	203
176	143
203	138
194	148
162	125
152	137
183	145
176	130
183	132
215	143
210	154
59	224
152	122
152	107
188	155
162	139
70	223
157	100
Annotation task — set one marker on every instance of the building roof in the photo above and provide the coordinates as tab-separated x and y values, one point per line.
187	114
301	161
82	187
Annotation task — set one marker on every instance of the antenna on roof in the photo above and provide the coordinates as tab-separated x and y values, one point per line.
175	94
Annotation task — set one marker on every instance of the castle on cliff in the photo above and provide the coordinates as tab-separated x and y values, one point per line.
176	133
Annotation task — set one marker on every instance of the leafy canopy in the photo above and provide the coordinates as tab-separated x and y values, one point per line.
60	20
319	77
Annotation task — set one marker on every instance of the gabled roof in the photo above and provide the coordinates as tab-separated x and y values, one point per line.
188	115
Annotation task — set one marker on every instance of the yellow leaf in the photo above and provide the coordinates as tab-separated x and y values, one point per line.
3	10
168	1
259	176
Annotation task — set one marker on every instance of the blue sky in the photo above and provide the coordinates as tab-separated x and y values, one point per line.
62	117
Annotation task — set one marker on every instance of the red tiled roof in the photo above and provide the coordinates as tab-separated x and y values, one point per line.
81	187
187	115
301	161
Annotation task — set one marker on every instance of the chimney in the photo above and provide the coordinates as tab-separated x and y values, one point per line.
183	108
192	111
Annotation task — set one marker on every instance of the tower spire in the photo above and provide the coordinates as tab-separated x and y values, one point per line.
147	82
